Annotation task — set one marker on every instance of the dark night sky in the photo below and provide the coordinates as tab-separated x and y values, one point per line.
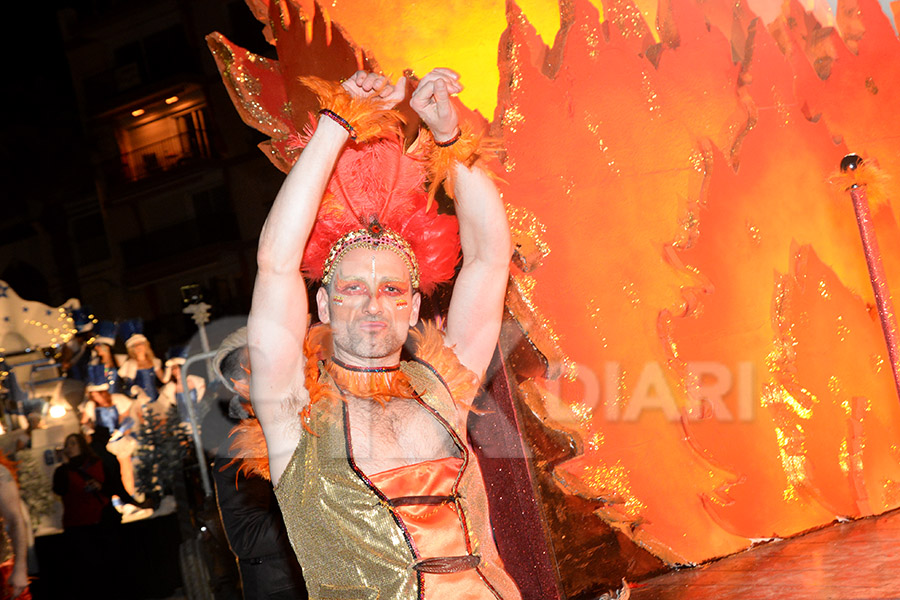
43	154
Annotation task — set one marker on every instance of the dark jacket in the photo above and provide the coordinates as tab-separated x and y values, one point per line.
257	536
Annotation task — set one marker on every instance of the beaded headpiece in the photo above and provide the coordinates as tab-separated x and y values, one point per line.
375	237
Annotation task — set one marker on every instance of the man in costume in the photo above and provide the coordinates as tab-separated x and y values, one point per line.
380	492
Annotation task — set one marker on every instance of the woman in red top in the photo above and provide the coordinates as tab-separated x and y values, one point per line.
79	482
90	525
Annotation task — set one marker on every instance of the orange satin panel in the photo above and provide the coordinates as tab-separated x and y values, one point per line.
436	530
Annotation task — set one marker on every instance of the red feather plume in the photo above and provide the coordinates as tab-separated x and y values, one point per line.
379	181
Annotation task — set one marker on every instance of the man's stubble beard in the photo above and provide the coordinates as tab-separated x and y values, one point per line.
357	343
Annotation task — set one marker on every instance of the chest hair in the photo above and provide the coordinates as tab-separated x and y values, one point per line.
400	433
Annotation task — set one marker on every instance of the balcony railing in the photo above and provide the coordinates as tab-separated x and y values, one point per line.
176	152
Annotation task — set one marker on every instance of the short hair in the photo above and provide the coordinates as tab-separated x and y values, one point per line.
228	359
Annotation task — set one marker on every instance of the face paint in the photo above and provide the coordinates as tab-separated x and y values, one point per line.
401	303
338	299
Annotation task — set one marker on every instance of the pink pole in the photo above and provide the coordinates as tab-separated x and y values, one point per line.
876	270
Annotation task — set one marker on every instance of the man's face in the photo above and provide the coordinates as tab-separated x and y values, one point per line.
370	307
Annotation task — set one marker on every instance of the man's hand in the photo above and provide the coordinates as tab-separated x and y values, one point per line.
431	101
363	84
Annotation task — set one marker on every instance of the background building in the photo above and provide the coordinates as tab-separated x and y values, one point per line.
129	174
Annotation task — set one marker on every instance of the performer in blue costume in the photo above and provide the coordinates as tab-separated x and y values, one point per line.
142	369
76	353
118	414
172	391
104	341
99	408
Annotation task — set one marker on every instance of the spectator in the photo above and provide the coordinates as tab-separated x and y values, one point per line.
250	515
90	522
78	482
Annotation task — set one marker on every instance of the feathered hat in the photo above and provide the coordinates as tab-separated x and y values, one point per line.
377	198
106	333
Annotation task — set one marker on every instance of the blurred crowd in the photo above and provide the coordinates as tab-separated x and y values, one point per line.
125	439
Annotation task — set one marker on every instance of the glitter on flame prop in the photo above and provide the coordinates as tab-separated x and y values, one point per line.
690	329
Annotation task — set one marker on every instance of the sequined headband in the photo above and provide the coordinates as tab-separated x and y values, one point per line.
377	237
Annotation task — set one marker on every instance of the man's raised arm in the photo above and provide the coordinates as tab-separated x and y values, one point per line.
476	305
278	314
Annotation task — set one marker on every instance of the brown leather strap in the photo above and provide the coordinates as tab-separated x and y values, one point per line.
447	564
413	500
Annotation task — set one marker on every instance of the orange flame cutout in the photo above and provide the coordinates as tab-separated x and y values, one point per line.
724	367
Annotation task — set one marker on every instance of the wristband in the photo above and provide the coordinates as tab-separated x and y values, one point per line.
340	121
451	141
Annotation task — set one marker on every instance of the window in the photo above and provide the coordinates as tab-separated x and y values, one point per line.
168	134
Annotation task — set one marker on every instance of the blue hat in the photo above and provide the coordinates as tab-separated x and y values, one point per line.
96	378
132	331
106	333
176	355
84	321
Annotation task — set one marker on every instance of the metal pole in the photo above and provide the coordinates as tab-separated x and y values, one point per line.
199	312
204	343
192	417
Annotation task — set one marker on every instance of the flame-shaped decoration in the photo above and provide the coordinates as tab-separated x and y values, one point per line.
692	277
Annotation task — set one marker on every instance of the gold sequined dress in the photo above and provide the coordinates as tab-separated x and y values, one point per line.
354	542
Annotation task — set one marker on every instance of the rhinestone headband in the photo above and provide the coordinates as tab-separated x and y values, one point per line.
375	237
